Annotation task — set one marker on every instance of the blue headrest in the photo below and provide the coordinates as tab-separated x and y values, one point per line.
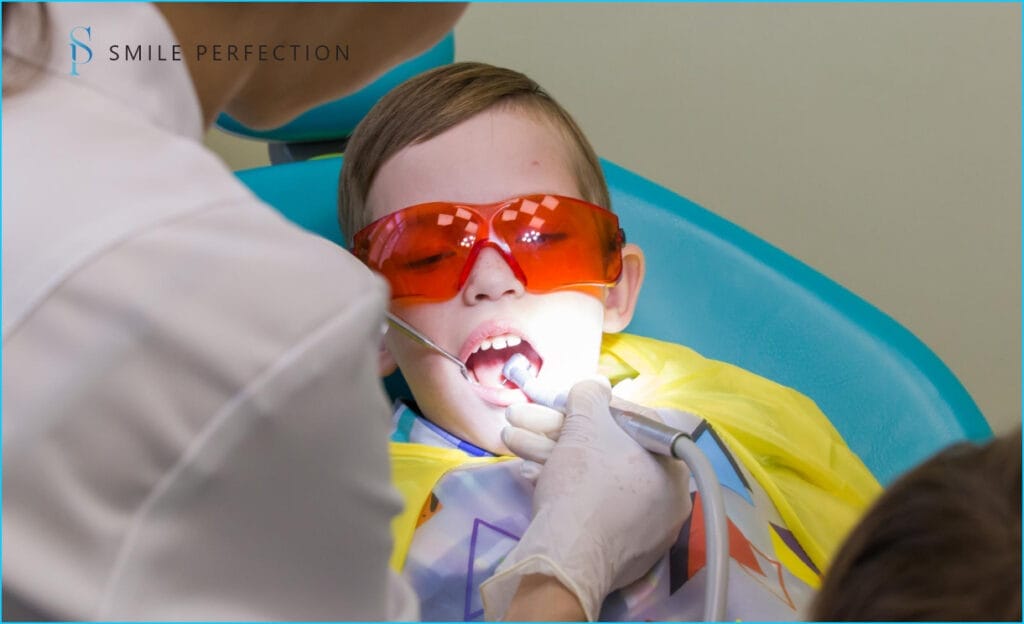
337	119
733	297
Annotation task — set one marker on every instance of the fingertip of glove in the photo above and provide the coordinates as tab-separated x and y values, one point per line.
512	417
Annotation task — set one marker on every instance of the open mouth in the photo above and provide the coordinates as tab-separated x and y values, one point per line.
490	356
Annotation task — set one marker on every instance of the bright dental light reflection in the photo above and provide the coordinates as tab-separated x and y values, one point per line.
530	237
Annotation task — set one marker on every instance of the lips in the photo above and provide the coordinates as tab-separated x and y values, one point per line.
490	346
486	363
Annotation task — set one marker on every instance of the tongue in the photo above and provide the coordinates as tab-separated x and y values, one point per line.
487	365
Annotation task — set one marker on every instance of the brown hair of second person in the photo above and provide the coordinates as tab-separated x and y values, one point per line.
942	543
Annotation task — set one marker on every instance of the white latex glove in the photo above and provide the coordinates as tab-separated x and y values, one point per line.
604	509
532	434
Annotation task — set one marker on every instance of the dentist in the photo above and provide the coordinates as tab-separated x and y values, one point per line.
192	423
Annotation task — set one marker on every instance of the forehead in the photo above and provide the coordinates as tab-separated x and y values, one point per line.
495	155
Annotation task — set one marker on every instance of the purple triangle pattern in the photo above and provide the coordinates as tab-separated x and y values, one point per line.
469	613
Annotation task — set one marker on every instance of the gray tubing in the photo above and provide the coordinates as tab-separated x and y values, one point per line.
716	529
655	438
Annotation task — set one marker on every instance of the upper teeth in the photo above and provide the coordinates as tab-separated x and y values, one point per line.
498	342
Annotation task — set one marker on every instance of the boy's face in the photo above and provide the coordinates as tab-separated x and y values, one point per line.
496	155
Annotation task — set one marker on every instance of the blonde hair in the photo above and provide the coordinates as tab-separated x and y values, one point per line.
431	103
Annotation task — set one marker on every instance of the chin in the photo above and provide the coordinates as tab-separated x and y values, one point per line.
489	438
498	448
496	445
260	117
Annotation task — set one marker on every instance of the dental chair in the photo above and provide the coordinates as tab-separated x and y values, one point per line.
710	285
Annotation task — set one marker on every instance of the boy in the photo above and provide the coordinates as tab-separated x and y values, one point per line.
482	203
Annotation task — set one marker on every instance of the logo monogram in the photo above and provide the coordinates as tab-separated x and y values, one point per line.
77	44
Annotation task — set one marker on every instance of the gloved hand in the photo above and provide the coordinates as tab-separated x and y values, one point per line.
532	433
604	509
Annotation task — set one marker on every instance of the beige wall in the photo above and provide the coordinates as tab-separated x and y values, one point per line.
881	144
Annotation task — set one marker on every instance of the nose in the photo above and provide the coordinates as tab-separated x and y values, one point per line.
490	279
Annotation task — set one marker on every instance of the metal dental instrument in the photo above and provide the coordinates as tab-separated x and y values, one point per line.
643	425
415	334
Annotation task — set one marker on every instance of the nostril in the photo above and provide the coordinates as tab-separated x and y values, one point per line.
485	295
493	276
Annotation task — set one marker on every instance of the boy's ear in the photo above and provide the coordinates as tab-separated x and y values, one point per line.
620	302
387	361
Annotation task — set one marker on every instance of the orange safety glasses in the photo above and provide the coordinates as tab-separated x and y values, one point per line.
550	242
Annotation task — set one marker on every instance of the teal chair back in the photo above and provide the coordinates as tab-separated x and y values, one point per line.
731	296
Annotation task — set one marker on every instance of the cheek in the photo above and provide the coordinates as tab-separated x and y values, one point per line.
573	323
424	371
577	311
427	318
432	320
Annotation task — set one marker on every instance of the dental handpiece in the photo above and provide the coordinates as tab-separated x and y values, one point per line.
637	421
640	423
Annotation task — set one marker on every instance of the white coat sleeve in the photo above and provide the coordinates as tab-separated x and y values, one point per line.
194	428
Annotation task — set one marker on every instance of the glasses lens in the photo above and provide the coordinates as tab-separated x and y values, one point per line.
420	250
561	242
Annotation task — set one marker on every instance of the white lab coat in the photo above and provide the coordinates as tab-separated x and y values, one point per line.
193	427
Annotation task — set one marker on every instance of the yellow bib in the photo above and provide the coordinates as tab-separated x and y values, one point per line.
415	470
818	485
